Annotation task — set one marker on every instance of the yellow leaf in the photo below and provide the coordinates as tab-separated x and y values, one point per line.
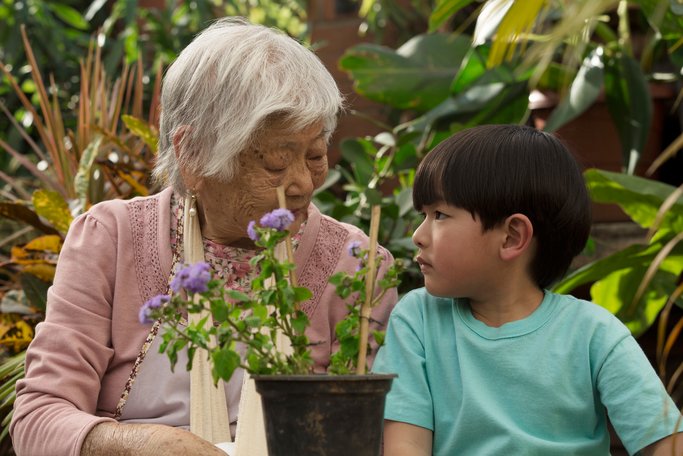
142	130
51	206
137	186
19	338
49	243
45	272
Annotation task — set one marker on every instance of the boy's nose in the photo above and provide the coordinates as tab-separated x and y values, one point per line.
419	237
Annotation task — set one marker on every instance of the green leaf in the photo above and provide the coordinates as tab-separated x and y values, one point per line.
225	361
583	91
69	15
404	201
356	154
300	322
219	310
302	294
639	197
416	76
82	179
51	206
142	130
615	292
35	290
630	105
444	10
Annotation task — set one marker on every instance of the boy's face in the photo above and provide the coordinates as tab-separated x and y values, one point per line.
456	257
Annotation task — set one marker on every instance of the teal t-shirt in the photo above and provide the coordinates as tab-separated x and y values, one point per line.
537	386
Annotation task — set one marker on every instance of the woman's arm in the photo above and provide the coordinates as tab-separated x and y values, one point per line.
116	439
403	439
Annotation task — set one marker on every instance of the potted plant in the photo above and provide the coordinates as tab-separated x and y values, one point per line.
304	413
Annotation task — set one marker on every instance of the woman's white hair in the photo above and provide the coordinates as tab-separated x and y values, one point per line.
224	87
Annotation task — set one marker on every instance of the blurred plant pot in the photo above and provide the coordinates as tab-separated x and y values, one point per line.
323	415
593	138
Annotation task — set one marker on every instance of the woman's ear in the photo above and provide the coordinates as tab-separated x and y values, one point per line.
519	234
190	181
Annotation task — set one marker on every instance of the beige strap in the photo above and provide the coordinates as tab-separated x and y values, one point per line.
208	406
250	438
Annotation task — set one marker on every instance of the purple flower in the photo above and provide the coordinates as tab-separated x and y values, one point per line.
354	249
146	309
251	231
193	278
278	219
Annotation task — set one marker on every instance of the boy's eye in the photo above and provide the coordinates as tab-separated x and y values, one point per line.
438	215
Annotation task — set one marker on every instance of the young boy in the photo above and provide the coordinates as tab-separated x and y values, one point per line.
489	361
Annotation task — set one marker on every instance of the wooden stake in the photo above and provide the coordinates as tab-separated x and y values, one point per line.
366	307
282	202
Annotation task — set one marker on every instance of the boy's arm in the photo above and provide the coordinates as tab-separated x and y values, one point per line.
668	446
403	439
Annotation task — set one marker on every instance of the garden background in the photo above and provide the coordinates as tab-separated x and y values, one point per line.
79	89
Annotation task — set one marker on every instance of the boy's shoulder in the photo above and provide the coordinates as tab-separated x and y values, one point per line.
588	317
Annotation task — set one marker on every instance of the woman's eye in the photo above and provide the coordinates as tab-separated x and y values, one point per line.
276	170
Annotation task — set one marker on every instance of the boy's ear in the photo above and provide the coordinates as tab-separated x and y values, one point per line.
519	233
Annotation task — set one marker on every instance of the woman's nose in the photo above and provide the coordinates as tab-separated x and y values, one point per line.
300	180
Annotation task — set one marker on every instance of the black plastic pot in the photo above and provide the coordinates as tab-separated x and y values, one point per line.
323	415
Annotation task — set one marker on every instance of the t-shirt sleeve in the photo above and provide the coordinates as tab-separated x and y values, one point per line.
637	403
410	399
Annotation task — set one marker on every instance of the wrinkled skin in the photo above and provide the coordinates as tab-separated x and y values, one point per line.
295	160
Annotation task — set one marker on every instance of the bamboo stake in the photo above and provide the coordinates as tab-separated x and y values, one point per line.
366	307
282	202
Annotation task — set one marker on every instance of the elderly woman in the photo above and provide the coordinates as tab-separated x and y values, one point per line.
245	109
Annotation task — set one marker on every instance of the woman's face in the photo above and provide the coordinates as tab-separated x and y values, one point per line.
295	160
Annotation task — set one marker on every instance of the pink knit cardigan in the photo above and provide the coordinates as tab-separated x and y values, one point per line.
114	258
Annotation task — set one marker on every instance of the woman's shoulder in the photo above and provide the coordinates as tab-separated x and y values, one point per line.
115	208
333	230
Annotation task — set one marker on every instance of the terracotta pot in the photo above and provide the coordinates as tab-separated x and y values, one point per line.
323	415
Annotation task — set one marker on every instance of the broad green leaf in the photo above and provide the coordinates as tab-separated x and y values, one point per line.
142	130
355	152
583	91
444	10
416	76
633	256
225	361
497	102
473	67
669	24
19	212
615	292
51	206
639	197
404	200
630	105
82	179
35	290
69	15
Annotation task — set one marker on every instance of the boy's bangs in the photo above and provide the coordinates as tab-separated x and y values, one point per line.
428	185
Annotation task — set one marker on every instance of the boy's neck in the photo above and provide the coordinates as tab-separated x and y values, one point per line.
512	305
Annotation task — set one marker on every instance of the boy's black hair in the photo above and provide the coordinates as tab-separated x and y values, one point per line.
494	171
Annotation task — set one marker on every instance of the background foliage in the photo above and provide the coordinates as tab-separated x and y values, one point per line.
78	94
